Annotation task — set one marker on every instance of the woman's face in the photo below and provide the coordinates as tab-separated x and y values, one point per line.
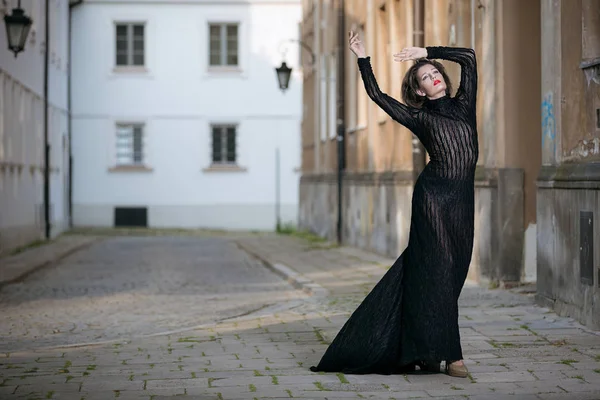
431	82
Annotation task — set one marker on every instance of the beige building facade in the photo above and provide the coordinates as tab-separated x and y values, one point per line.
380	160
538	174
568	193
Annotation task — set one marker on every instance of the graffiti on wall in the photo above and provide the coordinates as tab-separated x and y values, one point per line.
548	122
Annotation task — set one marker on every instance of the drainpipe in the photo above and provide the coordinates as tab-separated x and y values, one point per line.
317	86
341	123
418	41
47	222
473	24
72	5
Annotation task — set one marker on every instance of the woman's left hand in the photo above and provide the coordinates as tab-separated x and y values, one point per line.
410	53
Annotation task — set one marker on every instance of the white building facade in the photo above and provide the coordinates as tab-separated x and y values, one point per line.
178	116
22	147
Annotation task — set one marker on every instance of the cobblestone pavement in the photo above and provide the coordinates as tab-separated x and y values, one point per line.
514	349
131	286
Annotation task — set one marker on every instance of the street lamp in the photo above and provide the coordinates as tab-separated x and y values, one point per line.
283	76
284	72
17	29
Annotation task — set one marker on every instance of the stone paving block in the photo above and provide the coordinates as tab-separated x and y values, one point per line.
476	369
308	379
470	389
478	346
540	387
242	381
583	340
8	390
231	364
567	357
29	387
408	394
316	394
75	396
542	366
238	348
195	397
160	384
110	385
117	370
587	365
571	396
230	374
501	396
109	394
338	386
510	376
244	392
390	395
592	377
550	375
574	385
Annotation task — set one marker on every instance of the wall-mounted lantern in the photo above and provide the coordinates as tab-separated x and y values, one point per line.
17	29
284	72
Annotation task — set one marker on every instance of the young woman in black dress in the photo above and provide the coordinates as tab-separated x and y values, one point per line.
410	318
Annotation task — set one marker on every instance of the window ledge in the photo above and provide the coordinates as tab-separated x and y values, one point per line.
217	72
224	168
224	69
130	168
356	129
130	71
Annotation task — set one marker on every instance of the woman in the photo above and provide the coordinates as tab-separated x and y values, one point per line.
410	318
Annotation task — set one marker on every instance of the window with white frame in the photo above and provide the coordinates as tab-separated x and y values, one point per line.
130	144
223	46
224	144
130	47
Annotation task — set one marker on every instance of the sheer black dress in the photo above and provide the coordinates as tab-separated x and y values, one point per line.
412	312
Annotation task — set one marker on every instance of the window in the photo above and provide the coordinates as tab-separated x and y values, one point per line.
323	96
130	144
223	144
332	97
130	44
223	45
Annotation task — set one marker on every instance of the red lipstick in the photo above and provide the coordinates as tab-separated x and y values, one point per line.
435	83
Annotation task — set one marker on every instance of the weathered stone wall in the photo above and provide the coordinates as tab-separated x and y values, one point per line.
568	273
377	209
568	186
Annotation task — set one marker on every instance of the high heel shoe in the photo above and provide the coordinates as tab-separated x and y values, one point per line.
429	366
458	371
407	369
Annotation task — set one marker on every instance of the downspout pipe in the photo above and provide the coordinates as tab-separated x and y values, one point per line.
47	219
72	5
341	122
418	41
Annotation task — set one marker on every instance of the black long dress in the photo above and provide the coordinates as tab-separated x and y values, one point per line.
412	312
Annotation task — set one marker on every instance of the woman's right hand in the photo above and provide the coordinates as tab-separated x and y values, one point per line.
356	45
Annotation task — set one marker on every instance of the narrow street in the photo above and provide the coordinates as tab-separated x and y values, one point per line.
213	318
133	286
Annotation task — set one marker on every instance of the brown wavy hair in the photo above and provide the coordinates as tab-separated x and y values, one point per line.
410	83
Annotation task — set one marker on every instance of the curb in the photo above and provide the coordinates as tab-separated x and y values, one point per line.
47	263
294	278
